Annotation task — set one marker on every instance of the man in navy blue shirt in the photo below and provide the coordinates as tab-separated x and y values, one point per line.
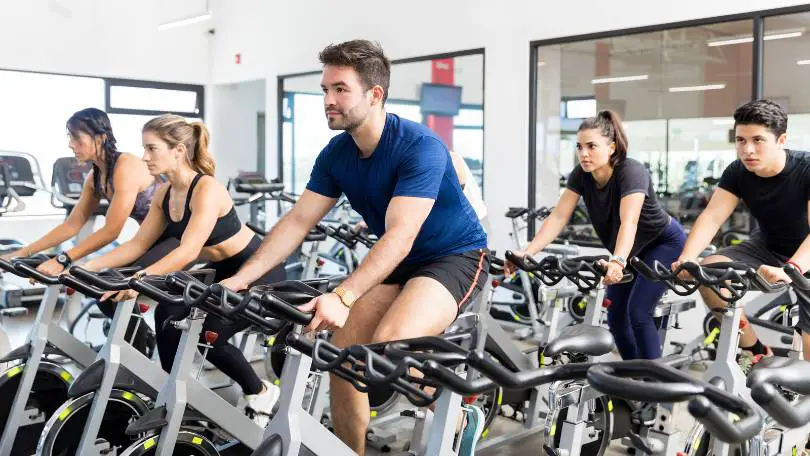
431	256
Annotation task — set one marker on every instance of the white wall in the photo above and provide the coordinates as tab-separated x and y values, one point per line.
275	40
112	38
233	112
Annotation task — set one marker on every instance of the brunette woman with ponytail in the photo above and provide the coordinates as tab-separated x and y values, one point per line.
198	210
629	221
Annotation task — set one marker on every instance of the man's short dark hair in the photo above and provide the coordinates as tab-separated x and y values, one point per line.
762	112
367	59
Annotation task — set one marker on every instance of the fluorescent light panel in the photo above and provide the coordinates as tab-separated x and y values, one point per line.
803	62
750	39
640	77
186	21
698	88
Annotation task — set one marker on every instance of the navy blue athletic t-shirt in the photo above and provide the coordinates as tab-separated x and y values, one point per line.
410	160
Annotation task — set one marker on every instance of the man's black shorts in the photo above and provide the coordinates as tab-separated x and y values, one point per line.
755	253
462	274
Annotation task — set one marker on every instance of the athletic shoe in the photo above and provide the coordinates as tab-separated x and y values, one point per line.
472	430
260	406
747	359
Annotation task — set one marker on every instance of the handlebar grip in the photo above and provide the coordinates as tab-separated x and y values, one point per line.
604	380
799	281
284	309
790	414
99	281
145	288
526	263
718	424
81	287
453	382
28	271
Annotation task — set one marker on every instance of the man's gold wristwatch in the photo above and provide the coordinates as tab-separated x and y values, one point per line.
347	297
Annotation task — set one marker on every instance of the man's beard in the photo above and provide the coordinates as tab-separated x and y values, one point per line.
347	121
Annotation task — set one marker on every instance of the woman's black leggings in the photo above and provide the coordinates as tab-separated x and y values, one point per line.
223	355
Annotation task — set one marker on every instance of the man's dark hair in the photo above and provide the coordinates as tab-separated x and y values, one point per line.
367	59
762	112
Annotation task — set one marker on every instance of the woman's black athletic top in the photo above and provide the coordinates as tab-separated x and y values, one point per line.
226	227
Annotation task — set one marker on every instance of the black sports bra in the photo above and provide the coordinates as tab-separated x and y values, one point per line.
226	227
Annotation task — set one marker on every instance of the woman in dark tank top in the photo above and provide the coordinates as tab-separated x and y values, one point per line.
120	178
196	209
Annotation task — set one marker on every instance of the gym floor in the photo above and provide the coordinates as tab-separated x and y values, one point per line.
18	329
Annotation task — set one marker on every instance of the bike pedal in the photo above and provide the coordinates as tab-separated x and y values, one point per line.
550	451
639	443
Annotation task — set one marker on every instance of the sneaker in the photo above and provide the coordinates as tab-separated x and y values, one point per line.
472	429
747	360
260	406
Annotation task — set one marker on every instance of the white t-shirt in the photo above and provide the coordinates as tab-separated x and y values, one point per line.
472	191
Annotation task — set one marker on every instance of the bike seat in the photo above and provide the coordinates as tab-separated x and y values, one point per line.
585	339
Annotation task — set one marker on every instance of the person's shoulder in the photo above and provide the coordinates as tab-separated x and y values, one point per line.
801	156
409	132
633	165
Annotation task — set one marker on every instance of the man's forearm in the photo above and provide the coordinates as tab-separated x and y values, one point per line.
124	255
282	240
380	262
700	236
802	256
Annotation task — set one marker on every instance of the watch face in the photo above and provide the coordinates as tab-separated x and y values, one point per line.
61	259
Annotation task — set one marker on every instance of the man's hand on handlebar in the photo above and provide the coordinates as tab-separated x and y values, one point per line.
614	272
509	268
360	227
773	274
330	313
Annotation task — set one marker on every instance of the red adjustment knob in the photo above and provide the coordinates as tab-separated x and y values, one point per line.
143	308
211	337
743	324
69	291
681	453
470	399
606	303
320	262
496	283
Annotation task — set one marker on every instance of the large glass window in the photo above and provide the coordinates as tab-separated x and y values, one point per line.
787	70
33	112
444	94
674	89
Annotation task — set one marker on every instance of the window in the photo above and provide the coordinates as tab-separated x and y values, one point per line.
151	98
33	113
675	91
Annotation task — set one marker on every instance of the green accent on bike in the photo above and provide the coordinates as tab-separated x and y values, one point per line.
610	406
127	396
582	304
711	337
484	434
64	414
66	376
736	241
783	307
197	440
553	430
373	413
149	443
14	371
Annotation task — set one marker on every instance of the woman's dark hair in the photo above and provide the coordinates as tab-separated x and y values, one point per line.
762	112
610	124
95	123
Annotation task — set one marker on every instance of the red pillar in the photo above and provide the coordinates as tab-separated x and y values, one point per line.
442	72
